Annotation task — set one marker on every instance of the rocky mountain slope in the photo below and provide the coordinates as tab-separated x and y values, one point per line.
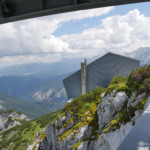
101	119
98	120
92	121
25	86
49	95
45	92
26	133
111	129
10	119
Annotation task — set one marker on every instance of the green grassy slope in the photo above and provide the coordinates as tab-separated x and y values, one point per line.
84	108
84	111
31	109
25	133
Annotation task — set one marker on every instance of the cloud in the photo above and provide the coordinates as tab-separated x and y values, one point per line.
23	59
116	33
33	40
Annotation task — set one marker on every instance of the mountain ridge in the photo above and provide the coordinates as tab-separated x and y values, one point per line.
31	109
98	120
142	54
23	135
101	119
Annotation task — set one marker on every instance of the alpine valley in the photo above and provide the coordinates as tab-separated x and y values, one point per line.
93	121
35	113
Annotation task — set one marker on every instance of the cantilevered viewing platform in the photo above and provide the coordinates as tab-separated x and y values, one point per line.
98	73
15	10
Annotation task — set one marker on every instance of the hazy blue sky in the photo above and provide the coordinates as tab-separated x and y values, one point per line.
77	34
78	26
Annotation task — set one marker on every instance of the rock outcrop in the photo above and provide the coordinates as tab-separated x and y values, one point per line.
113	126
10	119
48	95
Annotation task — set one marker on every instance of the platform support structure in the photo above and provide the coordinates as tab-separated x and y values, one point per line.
83	77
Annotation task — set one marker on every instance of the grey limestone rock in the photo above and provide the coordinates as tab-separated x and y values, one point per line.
87	145
81	134
147	103
62	145
101	144
137	115
138	99
44	145
106	98
51	136
108	110
83	146
105	114
119	100
131	99
61	121
61	131
69	126
68	116
112	140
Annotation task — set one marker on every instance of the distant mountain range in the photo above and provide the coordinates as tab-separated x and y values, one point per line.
42	69
47	94
40	85
64	66
142	54
25	86
33	110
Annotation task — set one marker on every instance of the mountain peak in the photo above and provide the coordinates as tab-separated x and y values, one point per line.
142	54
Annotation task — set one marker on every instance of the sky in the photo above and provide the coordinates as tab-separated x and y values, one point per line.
80	34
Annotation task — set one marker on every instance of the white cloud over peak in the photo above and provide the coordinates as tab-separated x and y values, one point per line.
33	40
34	35
116	33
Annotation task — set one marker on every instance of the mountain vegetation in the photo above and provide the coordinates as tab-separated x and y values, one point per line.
20	136
84	122
42	84
89	120
25	86
31	109
32	96
9	119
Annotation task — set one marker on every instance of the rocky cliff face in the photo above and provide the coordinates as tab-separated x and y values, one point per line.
115	116
49	95
10	119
